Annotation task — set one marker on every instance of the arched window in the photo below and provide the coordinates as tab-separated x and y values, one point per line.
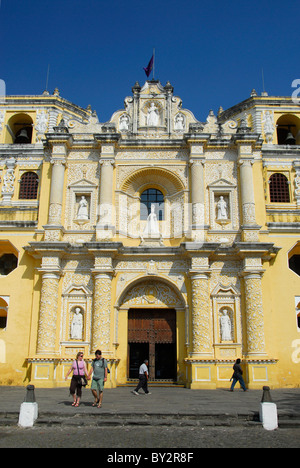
279	188
149	197
29	186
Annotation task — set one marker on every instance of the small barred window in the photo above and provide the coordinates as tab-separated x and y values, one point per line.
29	186
279	189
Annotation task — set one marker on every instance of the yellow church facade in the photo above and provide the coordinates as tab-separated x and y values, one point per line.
151	236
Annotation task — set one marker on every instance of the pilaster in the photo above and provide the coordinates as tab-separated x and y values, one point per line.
197	146
60	142
201	316
254	313
47	324
101	317
102	307
105	228
246	141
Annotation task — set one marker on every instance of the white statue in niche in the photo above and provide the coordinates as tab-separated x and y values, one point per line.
152	117
83	210
124	123
268	126
77	325
179	122
222	209
152	224
225	326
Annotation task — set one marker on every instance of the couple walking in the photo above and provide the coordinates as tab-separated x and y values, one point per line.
99	370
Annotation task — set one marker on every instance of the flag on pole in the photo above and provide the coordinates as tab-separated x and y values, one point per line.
149	68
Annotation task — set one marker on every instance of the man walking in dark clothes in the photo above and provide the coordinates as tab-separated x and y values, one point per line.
143	379
237	376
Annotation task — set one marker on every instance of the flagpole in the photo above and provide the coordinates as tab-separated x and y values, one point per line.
153	63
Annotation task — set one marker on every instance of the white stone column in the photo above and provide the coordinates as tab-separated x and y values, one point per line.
47	325
101	317
247	192
197	144
105	228
197	199
56	191
246	142
254	313
136	100
106	193
60	142
201	322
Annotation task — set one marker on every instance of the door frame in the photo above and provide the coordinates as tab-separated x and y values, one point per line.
152	342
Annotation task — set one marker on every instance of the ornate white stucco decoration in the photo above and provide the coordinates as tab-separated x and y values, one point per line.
41	126
154	293
269	126
9	181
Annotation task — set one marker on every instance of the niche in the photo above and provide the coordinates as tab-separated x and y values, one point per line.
82	208
76	316
227	321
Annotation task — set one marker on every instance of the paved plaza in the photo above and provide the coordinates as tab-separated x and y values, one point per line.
163	402
169	418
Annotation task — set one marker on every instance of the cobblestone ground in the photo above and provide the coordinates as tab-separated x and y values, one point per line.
149	437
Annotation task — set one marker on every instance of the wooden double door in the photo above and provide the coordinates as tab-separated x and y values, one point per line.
152	336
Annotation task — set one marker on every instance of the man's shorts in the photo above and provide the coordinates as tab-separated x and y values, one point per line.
97	385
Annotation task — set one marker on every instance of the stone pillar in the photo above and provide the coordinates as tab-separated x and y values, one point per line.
56	192
60	142
106	193
254	313
47	326
101	317
169	91
197	200
197	194
136	100
197	187
246	141
105	228
201	322
247	192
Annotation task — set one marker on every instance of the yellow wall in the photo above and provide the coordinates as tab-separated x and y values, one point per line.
19	286
280	286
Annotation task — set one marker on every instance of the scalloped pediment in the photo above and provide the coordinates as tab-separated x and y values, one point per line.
77	290
229	290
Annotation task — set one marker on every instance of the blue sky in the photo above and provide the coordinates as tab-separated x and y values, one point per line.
211	52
